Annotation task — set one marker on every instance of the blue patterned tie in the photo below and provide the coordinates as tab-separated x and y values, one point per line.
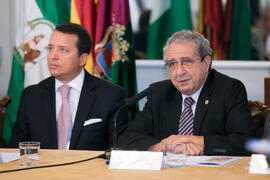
186	120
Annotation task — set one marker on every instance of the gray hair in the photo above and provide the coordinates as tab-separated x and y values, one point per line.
184	37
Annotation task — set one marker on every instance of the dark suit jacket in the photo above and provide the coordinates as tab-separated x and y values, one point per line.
225	122
36	120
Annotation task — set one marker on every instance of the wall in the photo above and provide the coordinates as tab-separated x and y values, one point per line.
8	21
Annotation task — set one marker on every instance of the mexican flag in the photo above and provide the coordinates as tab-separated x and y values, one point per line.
167	17
112	53
37	20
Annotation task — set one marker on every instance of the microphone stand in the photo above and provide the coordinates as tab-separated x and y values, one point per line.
129	102
114	139
114	142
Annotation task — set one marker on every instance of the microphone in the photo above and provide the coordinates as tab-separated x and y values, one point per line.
129	102
139	96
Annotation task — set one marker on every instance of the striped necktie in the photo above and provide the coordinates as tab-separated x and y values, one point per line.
186	120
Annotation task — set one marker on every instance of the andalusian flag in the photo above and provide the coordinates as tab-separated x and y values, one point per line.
112	54
167	17
37	20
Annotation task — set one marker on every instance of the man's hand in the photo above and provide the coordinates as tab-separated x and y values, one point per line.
195	144
194	149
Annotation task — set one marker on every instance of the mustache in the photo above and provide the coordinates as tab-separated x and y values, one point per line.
182	77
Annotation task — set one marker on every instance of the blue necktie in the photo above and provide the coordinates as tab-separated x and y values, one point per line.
186	120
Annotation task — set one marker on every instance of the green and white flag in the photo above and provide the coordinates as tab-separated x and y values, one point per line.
167	17
37	20
240	44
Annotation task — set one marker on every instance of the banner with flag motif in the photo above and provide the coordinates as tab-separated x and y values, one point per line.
112	54
37	20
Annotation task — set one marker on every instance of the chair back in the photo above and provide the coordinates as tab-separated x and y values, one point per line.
266	133
259	114
3	106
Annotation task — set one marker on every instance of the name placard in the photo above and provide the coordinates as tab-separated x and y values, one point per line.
139	160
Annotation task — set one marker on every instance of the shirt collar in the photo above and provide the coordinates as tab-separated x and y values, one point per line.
75	84
194	96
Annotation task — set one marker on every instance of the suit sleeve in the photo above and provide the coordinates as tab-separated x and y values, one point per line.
139	134
239	126
20	131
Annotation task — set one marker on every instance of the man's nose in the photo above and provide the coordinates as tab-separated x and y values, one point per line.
53	54
180	69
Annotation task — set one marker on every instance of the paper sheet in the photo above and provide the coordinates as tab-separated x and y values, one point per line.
7	157
211	161
214	161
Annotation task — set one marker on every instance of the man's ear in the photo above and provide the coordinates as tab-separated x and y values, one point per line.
83	59
207	60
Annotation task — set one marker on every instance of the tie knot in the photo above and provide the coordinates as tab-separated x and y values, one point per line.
189	101
64	91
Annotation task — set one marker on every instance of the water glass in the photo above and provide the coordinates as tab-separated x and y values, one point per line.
176	155
29	153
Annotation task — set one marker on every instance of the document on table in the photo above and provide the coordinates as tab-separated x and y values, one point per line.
7	157
213	161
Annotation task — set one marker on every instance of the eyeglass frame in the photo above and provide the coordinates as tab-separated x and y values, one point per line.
182	61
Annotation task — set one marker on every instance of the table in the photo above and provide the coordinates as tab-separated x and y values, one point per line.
98	170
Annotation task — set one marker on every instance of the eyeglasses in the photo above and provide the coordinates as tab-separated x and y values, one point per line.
185	62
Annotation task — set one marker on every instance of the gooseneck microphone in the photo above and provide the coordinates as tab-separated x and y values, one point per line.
129	102
139	96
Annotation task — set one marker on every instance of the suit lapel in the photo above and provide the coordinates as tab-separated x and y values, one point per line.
202	104
85	102
174	109
49	100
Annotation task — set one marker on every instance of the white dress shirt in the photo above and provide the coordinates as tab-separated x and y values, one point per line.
195	97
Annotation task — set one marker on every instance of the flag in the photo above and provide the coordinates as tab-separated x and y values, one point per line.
240	42
37	20
200	17
167	17
211	25
112	53
228	26
83	12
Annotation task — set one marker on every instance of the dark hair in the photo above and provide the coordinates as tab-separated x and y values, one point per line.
84	41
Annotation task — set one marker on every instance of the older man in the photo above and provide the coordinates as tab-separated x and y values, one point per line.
198	106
